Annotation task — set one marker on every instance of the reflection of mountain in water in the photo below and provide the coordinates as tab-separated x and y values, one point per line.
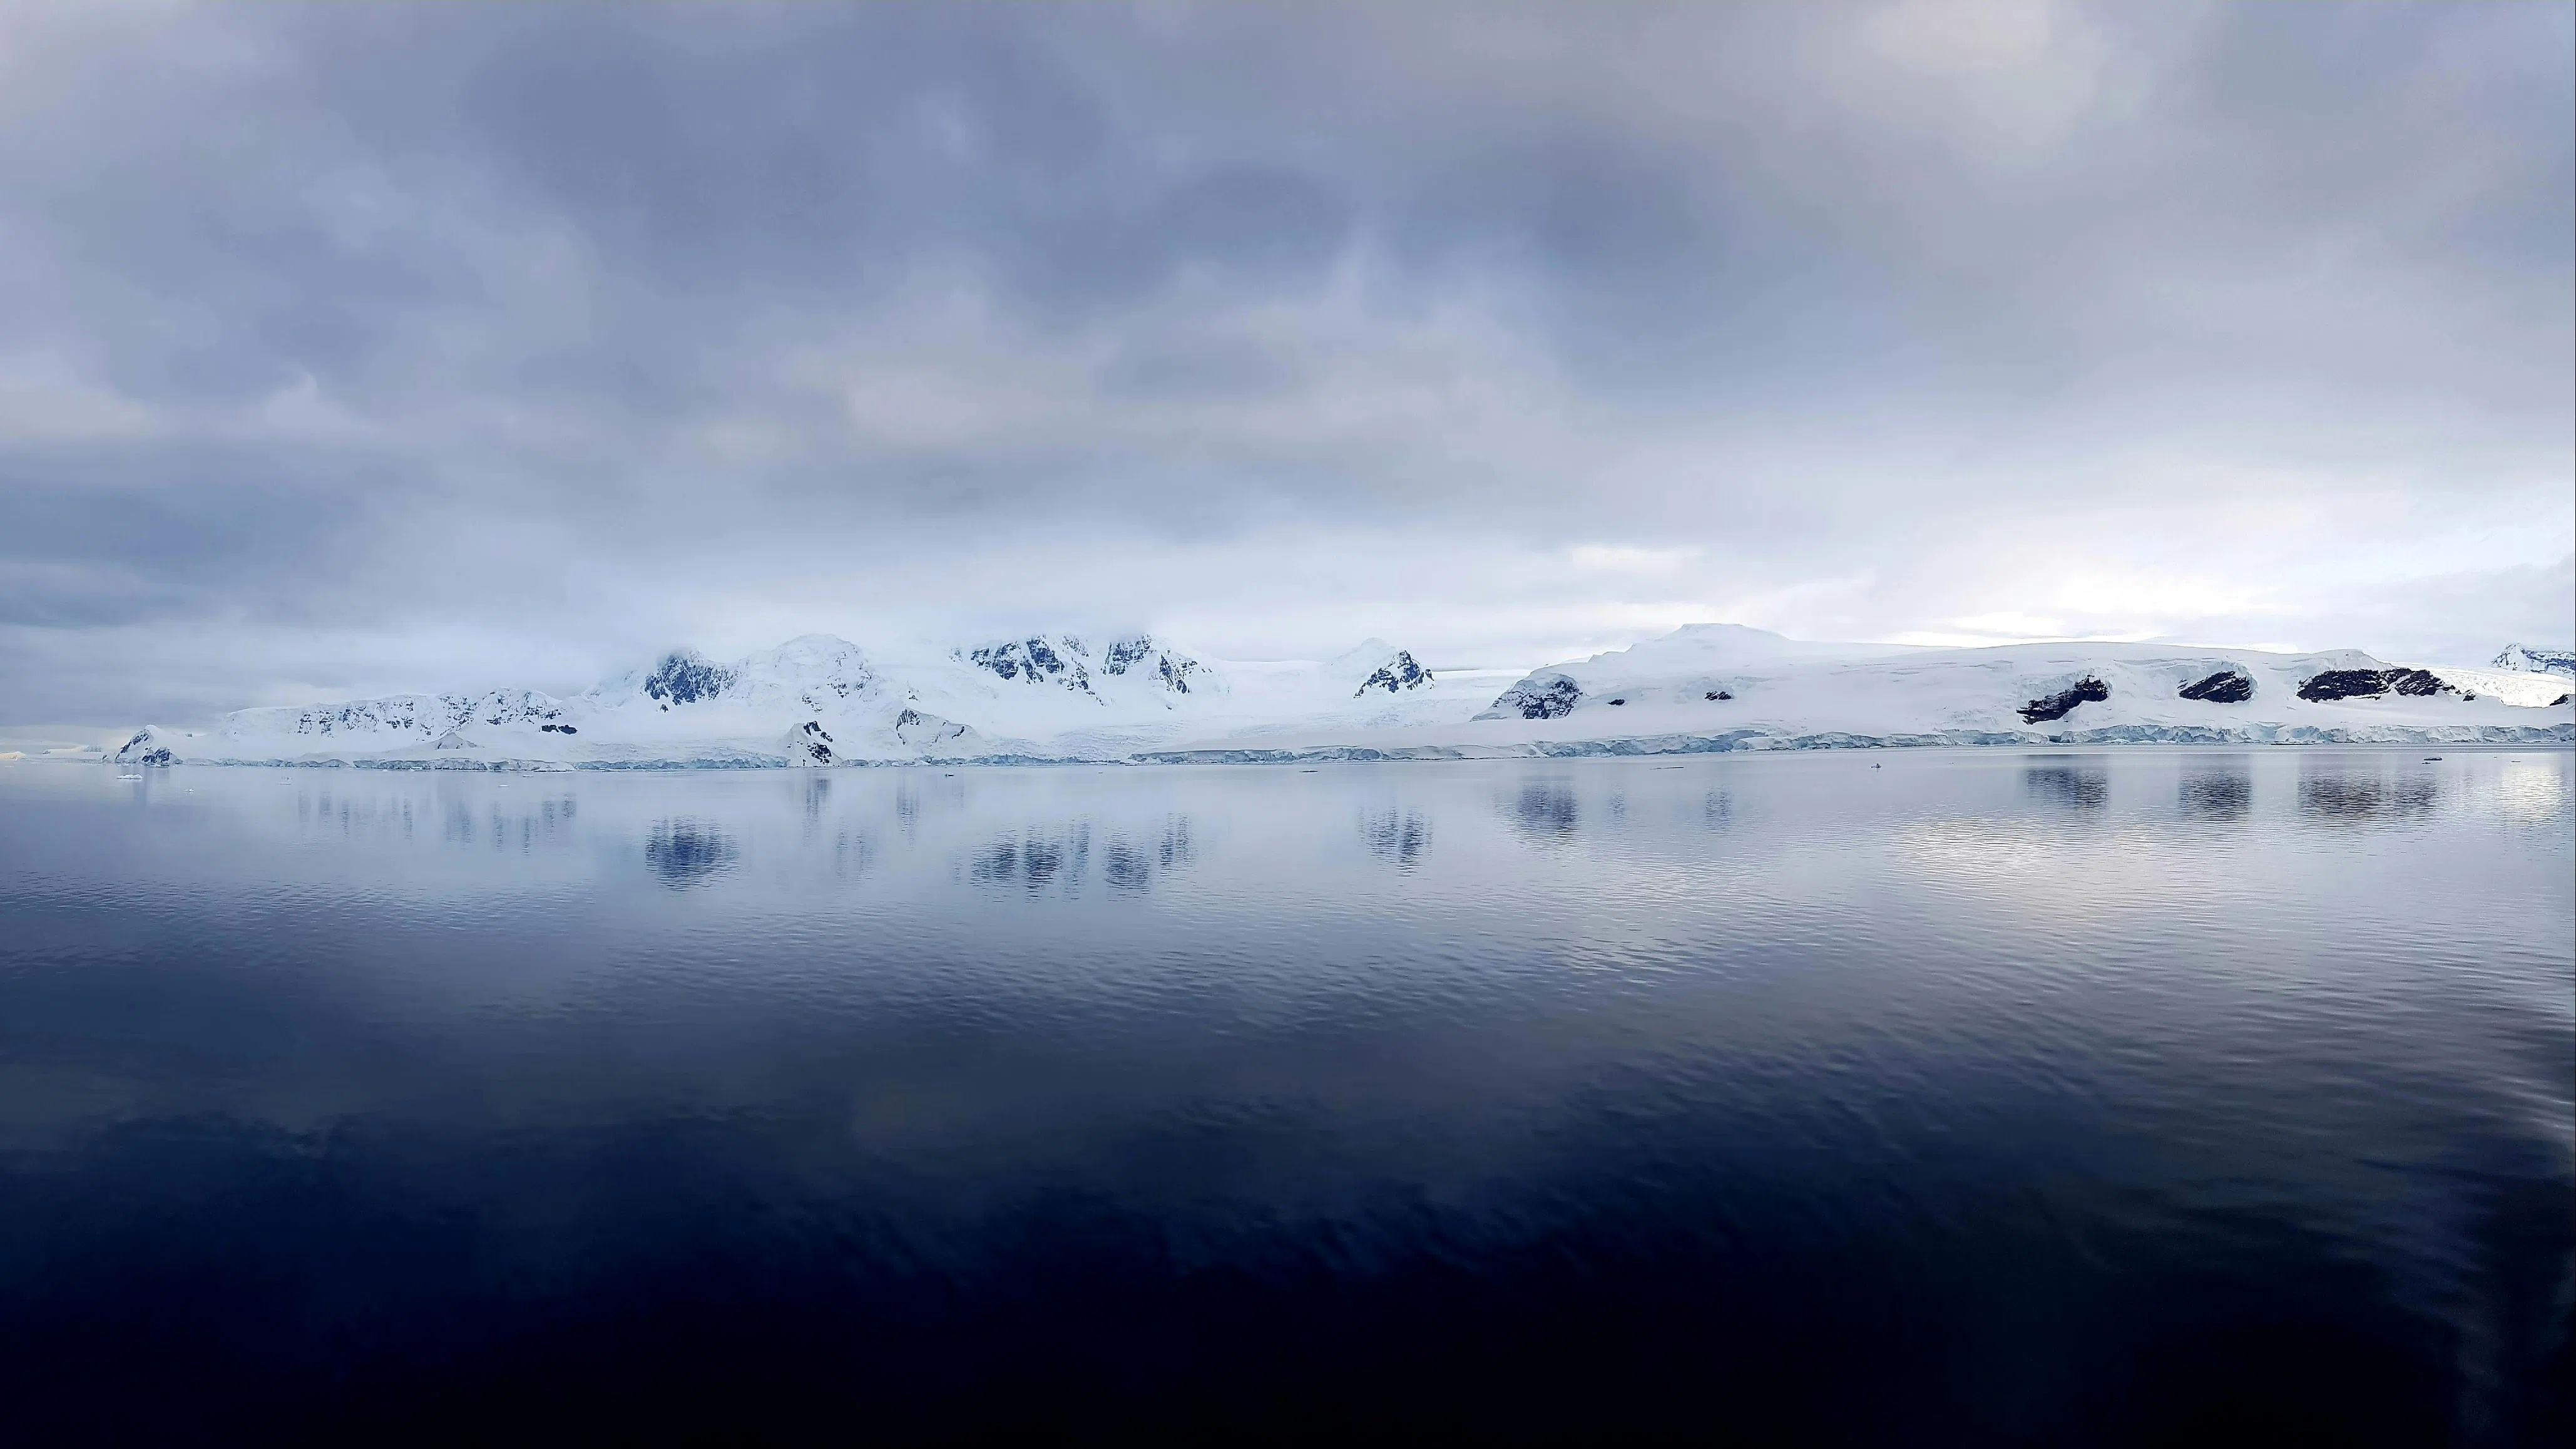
2217	795
2066	788
1034	859
1398	838
1132	867
1545	812
684	853
2362	797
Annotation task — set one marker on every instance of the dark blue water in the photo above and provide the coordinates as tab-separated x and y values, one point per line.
1978	1097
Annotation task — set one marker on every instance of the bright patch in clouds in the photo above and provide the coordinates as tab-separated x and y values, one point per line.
1644	562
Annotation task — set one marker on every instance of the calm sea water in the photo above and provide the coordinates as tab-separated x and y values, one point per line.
1969	1097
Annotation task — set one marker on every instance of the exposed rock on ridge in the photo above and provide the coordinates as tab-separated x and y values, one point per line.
2225	687
2061	704
2371	683
1551	696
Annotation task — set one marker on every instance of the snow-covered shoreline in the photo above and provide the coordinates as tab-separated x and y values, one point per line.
1060	699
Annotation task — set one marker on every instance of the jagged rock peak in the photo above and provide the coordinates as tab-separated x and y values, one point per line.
1036	660
1397	673
1549	694
1143	654
684	677
146	748
1068	660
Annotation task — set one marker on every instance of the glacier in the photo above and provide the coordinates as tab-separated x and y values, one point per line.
822	702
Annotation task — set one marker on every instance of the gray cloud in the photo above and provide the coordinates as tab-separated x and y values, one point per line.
350	348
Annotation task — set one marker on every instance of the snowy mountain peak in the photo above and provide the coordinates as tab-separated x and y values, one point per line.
1365	655
1143	655
2523	659
820	701
1067	660
1396	673
1035	660
685	677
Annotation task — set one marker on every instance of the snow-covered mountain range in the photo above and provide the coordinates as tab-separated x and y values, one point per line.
821	701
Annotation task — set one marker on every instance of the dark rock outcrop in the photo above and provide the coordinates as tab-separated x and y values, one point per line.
559	729
686	679
922	731
1132	653
1549	697
143	749
1717	694
1037	661
2372	683
2061	704
817	741
1032	660
2225	687
1399	673
1125	653
2419	682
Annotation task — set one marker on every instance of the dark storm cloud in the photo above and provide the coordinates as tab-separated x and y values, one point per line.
557	332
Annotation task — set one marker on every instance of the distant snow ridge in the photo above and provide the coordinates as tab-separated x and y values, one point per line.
820	701
2523	659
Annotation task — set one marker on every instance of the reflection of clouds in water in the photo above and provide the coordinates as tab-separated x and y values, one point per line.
2067	787
1545	812
2217	794
2524	789
1974	849
2355	799
684	853
1398	837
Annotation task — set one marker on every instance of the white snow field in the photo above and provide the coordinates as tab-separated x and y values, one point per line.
822	701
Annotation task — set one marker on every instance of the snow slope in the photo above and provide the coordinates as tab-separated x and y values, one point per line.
818	701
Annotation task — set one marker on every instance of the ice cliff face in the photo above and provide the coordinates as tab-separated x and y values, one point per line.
820	701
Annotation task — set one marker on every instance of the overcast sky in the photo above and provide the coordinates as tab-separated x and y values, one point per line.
347	349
